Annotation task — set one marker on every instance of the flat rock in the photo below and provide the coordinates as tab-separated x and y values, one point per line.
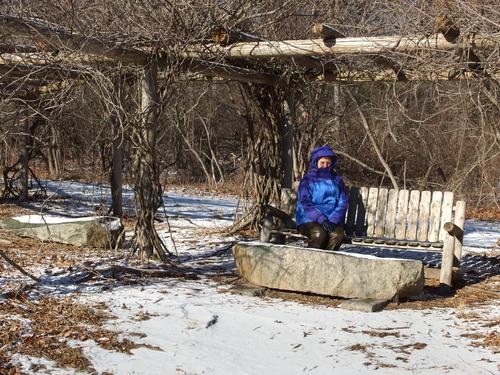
365	305
88	231
328	273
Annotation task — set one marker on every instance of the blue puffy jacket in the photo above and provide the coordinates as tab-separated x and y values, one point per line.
322	195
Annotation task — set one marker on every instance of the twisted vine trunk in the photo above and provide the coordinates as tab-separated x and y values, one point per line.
269	158
24	158
116	177
147	189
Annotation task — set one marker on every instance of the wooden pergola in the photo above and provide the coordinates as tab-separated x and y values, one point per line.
53	45
47	56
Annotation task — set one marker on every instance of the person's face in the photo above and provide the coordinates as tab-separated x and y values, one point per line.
324	162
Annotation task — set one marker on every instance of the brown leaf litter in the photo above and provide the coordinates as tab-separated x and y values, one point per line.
42	329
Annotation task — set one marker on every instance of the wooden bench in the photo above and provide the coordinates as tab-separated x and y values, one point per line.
401	219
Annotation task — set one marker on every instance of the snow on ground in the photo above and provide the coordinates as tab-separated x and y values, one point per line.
201	330
481	235
199	327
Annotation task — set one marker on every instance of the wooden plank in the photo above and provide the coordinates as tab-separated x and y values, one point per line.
361	212
401	214
381	212
435	216
459	222
411	230
354	196
392	207
371	211
436	247
423	215
446	212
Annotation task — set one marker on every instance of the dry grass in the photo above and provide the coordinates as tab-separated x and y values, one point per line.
9	210
489	214
42	329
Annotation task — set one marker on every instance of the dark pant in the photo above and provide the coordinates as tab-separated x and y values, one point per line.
320	238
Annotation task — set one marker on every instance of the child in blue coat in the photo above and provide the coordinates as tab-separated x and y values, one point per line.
322	202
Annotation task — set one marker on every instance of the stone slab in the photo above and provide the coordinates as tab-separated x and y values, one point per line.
93	232
328	273
364	305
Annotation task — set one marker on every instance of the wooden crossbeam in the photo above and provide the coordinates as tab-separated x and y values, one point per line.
390	75
61	57
59	37
229	37
25	71
352	45
229	72
328	32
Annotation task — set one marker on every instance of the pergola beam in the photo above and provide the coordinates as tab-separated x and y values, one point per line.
60	38
87	50
229	37
44	58
340	46
386	75
229	72
328	32
390	75
48	72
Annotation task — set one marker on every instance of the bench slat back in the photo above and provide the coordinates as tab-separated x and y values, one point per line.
371	211
392	209
435	216
398	214
412	217
424	215
446	212
381	213
402	212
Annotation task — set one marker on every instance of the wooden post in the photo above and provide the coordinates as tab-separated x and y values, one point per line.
458	232
287	151
24	157
445	278
117	153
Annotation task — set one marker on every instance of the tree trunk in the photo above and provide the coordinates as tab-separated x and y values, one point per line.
117	153
287	127
24	158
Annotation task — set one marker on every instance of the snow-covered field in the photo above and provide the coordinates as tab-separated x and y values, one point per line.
202	327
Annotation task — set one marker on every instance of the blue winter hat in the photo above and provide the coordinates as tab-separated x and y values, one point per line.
322	152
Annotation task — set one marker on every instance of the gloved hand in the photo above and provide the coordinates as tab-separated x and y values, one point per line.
328	225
